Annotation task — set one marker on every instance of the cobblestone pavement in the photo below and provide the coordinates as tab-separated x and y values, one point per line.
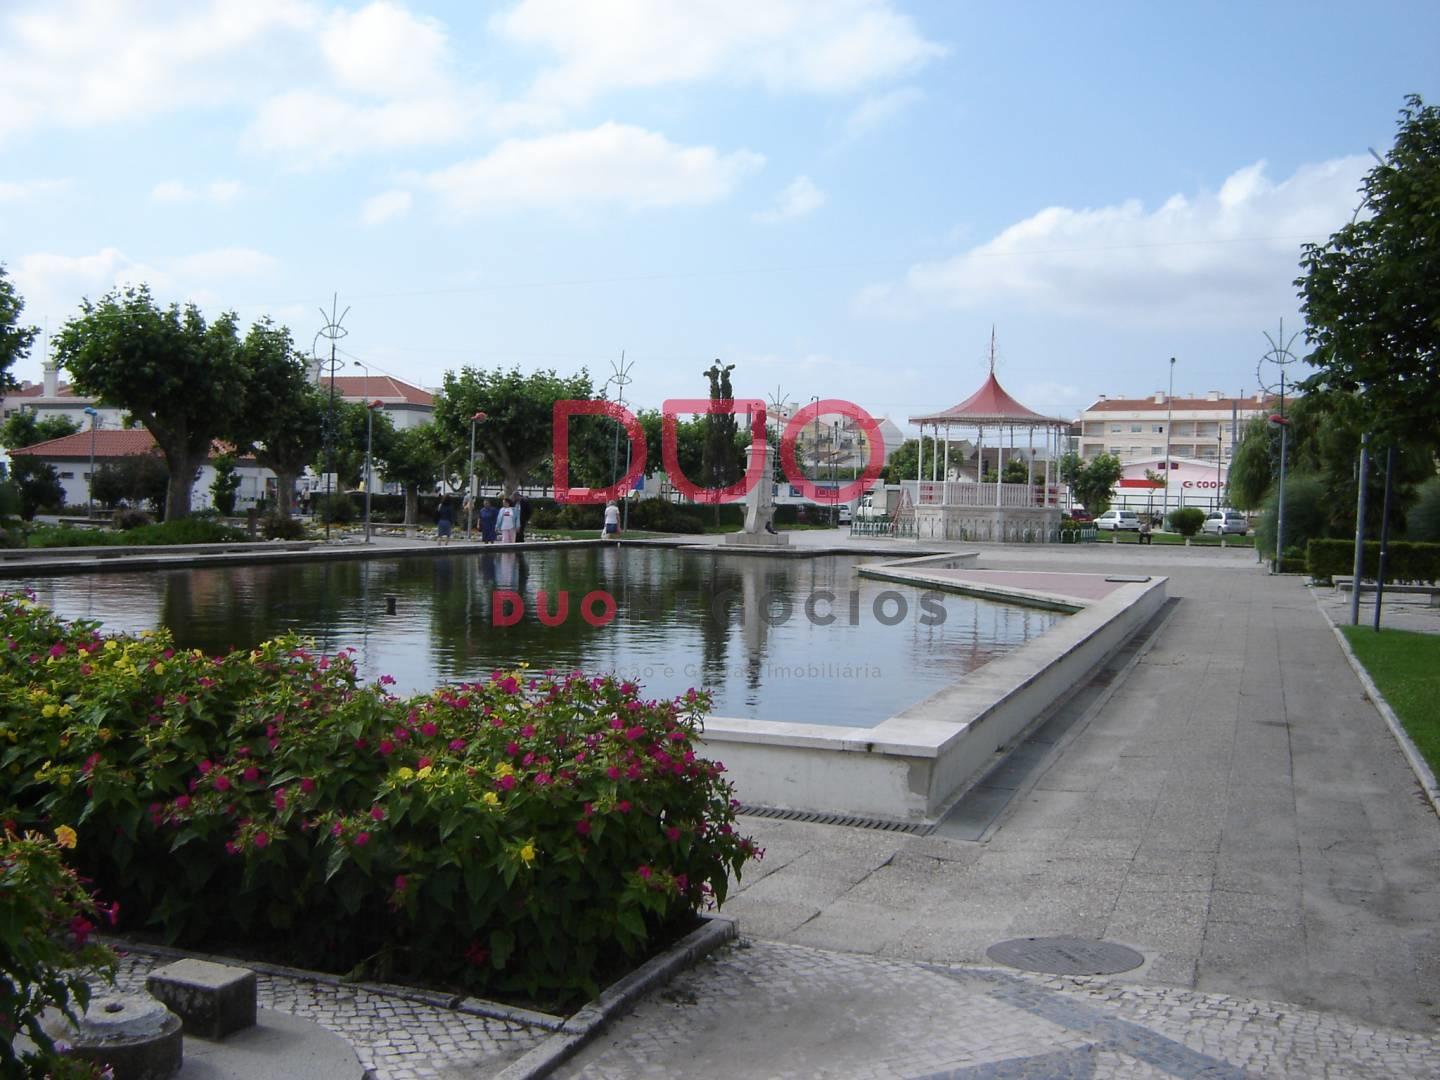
394	1038
767	1009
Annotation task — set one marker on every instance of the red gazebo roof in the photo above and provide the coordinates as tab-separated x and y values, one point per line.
991	404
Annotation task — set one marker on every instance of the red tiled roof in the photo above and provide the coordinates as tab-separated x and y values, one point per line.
382	388
1149	404
29	390
990	404
109	443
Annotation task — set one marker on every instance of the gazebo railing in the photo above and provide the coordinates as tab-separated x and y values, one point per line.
965	493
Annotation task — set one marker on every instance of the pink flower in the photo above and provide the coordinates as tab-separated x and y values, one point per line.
280	798
506	783
528	731
616	723
204	767
512	748
307	785
623	806
252	774
613	772
582	827
633	772
221	782
400	883
644	872
424	763
377	813
428	729
262	840
386	747
634	733
182	801
337	829
541	779
673	832
58	649
510	686
457	745
361	839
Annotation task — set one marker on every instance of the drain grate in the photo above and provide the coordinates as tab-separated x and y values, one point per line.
1065	955
913	828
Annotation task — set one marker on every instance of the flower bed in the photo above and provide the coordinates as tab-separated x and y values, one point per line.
524	833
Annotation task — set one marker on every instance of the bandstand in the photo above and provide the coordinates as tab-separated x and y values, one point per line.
988	430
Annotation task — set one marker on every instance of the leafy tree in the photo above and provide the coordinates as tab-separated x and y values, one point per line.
519	411
15	340
905	462
225	484
1424	521
1092	482
291	439
138	479
25	429
689	442
1307	513
1186	520
39	485
718	465
1369	293
187	381
414	460
1016	472
1253	466
346	455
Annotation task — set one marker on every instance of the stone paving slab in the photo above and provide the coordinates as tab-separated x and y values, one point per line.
767	1009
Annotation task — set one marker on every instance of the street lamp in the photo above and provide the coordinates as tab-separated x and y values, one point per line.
94	415
476	418
1169	423
370	407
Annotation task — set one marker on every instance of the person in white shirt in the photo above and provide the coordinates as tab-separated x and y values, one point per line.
612	521
508	522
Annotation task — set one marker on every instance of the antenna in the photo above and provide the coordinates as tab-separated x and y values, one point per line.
333	331
992	349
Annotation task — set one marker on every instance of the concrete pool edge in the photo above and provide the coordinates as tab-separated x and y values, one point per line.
913	765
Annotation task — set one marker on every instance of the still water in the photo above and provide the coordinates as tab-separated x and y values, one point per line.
804	640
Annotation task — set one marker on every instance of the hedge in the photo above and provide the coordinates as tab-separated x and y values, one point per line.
1405	561
526	832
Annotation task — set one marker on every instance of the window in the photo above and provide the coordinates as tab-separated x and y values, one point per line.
67	476
1157	450
1134	451
1115	429
1158	429
1134	427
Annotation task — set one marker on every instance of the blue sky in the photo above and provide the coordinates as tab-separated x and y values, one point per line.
840	197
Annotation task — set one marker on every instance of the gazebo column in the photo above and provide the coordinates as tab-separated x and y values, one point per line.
920	465
1000	465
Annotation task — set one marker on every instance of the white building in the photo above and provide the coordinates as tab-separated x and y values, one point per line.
1199	428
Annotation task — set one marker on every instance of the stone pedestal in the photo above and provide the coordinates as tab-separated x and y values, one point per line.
137	1036
213	1000
758	540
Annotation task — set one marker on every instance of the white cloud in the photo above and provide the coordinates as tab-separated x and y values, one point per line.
84	63
385	51
311	127
833	47
18	190
385	207
875	112
177	191
223	263
611	164
224	191
168	191
1227	257
799	198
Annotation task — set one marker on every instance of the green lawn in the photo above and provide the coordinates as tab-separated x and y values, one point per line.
1201	540
1406	667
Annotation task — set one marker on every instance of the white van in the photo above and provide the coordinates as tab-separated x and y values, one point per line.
1119	519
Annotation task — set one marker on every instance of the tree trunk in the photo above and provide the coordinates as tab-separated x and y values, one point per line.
412	504
284	493
177	491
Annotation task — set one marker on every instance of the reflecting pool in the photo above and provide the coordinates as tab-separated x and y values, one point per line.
784	639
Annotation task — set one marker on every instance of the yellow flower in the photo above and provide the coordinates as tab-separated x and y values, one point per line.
49	710
64	710
159	669
111	645
490	799
504	769
527	854
405	772
424	772
65	836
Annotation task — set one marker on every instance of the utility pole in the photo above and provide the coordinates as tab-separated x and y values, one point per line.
334	331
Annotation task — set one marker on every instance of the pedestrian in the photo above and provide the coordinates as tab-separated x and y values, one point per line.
508	522
444	522
1144	530
522	517
488	514
611	528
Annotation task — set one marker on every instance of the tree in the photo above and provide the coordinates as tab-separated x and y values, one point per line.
1369	293
15	340
1016	472
24	428
291	438
187	381
519	415
718	465
354	430
904	464
414	461
138	479
1092	482
225	484
39	485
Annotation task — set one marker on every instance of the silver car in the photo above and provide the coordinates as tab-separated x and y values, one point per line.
1118	519
1226	523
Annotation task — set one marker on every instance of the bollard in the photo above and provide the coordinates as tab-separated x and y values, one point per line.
389	605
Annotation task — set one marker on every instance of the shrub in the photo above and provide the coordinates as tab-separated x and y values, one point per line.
282	527
335	509
1187	520
1423	521
527	832
1404	562
187	530
1307	513
130	518
46	921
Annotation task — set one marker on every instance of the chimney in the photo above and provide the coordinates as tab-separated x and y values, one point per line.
1212	395
52	379
1159	397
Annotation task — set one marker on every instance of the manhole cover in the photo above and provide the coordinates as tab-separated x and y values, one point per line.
1065	955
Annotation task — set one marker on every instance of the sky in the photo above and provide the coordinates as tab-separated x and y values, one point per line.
841	198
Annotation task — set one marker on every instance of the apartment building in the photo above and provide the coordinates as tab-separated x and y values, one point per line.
1202	428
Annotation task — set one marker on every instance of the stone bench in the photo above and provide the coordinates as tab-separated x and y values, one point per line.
212	1000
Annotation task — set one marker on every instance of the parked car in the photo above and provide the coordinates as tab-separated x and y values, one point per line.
1082	516
1226	522
1118	519
844	513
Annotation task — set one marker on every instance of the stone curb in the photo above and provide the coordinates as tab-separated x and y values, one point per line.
1418	765
453	1002
591	1018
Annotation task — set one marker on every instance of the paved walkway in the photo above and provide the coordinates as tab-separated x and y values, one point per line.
1236	811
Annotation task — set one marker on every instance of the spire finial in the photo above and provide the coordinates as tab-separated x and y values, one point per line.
992	349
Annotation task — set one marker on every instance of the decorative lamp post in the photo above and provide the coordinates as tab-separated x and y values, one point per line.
476	418
1169	415
370	407
94	415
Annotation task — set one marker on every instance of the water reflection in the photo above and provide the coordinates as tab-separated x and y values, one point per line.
777	639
